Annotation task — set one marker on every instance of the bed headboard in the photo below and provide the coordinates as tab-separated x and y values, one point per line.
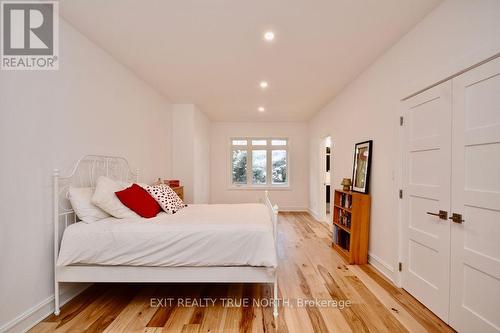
85	174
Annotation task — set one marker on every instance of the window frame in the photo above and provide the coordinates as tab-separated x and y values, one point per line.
269	165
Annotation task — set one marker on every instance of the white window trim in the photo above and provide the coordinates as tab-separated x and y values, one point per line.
249	148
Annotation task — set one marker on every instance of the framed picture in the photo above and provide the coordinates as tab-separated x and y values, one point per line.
361	168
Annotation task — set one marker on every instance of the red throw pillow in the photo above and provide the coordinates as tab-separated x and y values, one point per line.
138	199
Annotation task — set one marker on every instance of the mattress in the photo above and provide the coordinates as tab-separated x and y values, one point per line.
198	235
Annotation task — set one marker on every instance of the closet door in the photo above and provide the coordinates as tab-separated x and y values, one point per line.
426	178
475	244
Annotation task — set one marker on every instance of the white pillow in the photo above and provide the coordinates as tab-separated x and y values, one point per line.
105	198
166	198
80	198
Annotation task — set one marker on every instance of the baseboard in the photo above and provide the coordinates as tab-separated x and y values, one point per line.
384	268
314	214
292	209
26	320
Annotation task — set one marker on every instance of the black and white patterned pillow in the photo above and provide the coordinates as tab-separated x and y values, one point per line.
166	198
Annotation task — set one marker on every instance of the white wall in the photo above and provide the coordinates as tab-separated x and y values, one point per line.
459	33
294	199
48	119
201	159
183	147
191	152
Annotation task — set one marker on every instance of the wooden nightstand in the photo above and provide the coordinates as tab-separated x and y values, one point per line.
180	191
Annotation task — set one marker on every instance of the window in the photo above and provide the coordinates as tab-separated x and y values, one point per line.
279	166
259	166
259	162
239	166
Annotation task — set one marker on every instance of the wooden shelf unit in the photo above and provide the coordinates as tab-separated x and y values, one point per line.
351	225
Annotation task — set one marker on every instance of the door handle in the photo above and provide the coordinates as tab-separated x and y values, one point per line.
443	215
457	218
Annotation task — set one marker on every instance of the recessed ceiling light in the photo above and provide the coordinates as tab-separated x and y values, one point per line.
269	36
263	84
261	109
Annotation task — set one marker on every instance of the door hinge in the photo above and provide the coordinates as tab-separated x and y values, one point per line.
400	266
401	121
400	194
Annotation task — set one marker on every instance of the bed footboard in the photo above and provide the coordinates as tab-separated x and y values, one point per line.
273	211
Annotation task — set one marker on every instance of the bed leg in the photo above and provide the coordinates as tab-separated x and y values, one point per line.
275	295
56	299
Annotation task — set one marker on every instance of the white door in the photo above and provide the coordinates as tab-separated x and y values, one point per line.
475	246
426	190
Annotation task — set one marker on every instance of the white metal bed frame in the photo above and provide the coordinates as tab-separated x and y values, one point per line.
85	174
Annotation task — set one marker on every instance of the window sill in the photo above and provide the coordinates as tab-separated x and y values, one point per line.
259	188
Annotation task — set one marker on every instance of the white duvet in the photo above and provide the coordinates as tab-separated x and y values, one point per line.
198	235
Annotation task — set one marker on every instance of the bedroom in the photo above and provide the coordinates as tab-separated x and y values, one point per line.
234	99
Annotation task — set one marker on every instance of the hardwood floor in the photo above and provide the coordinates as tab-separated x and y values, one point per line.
308	270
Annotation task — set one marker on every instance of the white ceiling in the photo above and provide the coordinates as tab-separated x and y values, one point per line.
211	53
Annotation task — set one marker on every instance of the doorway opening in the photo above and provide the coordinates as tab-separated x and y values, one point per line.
326	172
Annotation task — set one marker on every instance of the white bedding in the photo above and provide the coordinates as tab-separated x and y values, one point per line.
198	235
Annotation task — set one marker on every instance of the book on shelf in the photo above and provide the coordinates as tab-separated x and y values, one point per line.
341	238
344	218
346	200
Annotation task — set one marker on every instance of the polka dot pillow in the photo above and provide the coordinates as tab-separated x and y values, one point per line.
166	198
